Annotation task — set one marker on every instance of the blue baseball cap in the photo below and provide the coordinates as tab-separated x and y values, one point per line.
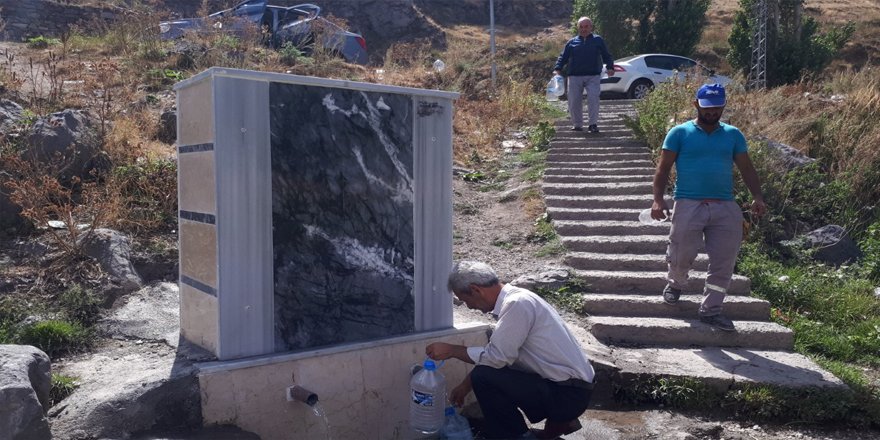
711	95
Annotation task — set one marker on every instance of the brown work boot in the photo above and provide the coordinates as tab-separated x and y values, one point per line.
553	429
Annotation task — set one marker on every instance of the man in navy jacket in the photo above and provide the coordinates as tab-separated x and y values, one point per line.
584	56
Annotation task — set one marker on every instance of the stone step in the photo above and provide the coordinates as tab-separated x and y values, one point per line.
721	369
650	282
588	202
586	155
613	136
563	170
593	214
591	164
634	244
742	308
597	189
575	228
689	332
598	149
629	262
575	178
596	141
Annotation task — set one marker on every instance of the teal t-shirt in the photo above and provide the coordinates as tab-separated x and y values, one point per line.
704	166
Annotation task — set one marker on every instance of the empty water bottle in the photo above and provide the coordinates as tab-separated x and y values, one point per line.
555	88
646	219
427	399
456	427
439	65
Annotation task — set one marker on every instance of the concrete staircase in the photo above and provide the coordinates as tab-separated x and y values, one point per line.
595	185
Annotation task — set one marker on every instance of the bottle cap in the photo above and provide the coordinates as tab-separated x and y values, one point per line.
450	410
430	365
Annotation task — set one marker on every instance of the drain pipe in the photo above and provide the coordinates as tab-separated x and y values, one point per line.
297	393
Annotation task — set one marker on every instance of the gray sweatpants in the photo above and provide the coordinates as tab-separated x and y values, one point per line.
719	225
576	86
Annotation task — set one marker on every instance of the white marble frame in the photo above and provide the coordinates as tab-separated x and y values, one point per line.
245	287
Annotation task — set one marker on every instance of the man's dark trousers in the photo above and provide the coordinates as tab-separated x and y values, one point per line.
500	391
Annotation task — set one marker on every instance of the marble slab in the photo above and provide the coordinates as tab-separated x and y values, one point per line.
342	214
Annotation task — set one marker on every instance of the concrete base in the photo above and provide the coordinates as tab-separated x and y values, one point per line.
362	388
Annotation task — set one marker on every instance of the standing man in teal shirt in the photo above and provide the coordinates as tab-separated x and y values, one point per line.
584	55
704	151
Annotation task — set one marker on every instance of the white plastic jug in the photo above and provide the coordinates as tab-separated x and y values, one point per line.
427	399
555	88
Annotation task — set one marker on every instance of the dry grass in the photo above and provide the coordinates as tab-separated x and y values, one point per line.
833	121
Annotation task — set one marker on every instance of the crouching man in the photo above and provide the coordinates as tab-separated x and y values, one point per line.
532	362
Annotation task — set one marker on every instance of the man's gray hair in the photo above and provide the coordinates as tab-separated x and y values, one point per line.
464	273
583	19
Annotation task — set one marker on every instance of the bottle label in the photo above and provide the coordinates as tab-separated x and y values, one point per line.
423	399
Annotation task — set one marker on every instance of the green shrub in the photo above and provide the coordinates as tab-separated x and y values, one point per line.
833	312
41	42
794	48
12	312
291	55
670	103
62	386
675	392
55	336
80	305
870	245
541	135
645	26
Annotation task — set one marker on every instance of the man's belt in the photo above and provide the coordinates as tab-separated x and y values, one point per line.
577	383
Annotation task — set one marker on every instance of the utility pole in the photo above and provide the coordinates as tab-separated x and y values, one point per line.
758	72
492	37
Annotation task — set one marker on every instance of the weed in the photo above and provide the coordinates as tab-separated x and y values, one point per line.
540	135
568	297
41	42
675	392
81	305
544	231
55	337
474	176
503	243
62	386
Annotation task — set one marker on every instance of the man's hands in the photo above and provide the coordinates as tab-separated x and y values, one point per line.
440	351
759	208
458	394
659	210
610	72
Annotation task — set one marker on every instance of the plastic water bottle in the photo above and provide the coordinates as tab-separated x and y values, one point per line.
439	65
456	426
555	88
427	399
645	218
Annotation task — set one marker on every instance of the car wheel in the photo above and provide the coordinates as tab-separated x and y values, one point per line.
640	89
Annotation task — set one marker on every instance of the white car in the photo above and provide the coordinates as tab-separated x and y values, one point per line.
635	76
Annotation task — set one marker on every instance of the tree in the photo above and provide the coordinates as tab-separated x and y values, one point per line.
794	45
631	27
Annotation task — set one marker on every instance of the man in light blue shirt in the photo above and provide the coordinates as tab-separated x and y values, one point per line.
704	151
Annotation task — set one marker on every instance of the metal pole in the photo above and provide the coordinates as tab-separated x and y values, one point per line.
492	37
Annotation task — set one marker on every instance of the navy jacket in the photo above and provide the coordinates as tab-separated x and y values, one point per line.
584	56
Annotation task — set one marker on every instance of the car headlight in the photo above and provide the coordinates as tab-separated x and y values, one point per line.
164	27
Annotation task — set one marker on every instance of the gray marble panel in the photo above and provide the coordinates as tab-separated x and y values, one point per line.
342	215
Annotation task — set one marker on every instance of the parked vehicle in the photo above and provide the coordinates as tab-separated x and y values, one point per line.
635	76
298	25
